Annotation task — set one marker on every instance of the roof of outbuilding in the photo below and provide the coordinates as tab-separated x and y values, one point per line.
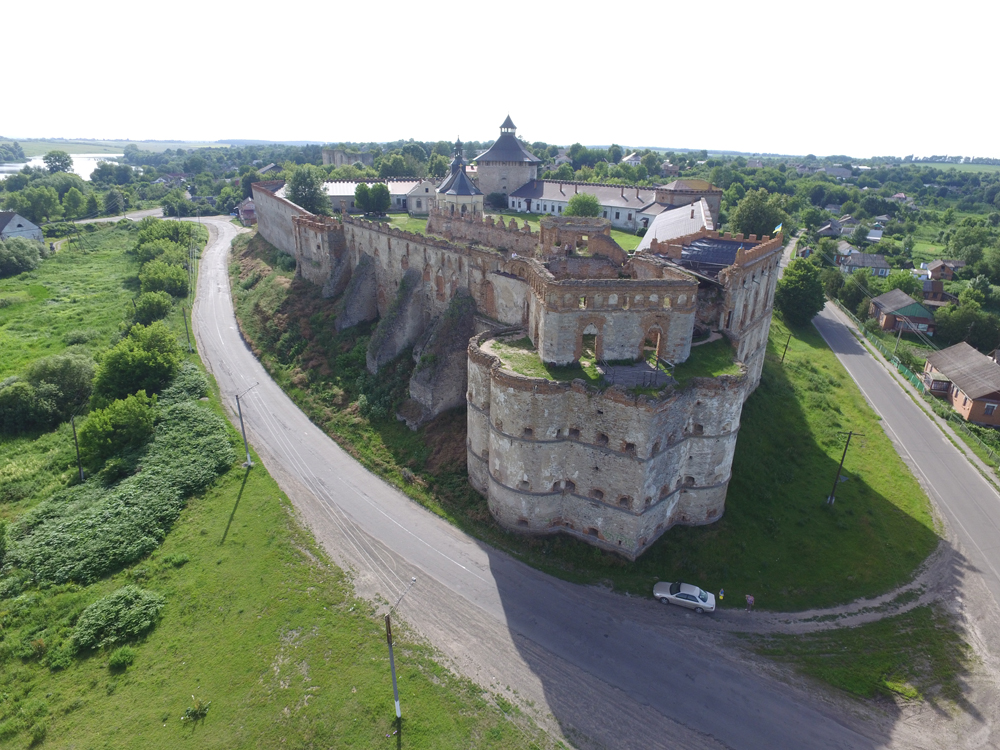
614	196
975	373
6	217
677	222
896	301
866	260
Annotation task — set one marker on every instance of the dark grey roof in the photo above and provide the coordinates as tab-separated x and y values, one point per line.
5	218
711	252
462	185
509	123
507	148
866	260
892	301
613	196
976	374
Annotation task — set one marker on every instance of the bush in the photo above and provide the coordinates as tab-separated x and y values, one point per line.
120	616
78	336
146	360
497	200
18	255
152	306
159	276
87	531
121	658
70	374
153	249
125	424
190	384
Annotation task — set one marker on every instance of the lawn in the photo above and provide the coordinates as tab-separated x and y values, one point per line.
917	655
707	361
777	540
521	356
257	622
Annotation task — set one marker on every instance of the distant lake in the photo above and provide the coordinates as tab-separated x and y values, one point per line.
83	164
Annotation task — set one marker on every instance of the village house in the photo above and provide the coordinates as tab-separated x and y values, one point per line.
968	379
14	225
944	269
246	212
875	264
898	311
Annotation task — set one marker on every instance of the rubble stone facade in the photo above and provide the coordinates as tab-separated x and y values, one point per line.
609	466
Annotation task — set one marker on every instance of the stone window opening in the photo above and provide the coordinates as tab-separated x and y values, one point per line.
524	485
522	522
665	490
583	303
656	447
574	434
597	494
630	449
556	486
569	486
602	439
625	501
591	531
666	303
648	501
689	481
528	432
698	429
625	302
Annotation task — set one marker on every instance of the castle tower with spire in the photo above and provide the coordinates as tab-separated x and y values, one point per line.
507	164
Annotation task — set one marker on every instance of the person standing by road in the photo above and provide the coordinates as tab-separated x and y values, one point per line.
749	602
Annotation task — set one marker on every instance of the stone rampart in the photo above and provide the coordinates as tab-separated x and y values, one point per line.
274	215
401	324
614	468
495	233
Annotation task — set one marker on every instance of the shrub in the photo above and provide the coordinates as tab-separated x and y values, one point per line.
121	658
72	338
89	530
146	360
190	384
18	255
152	306
153	249
158	276
125	424
120	616
497	200
71	374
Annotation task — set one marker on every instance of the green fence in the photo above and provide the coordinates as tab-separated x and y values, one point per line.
903	369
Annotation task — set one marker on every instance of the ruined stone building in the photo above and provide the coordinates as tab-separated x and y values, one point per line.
613	464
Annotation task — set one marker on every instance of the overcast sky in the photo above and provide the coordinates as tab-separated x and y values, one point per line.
857	78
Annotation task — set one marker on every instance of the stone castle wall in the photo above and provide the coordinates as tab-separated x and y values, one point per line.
274	215
614	469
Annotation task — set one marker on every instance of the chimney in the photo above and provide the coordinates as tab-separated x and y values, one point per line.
623	191
692	213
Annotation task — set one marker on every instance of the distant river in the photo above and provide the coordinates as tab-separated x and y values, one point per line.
83	164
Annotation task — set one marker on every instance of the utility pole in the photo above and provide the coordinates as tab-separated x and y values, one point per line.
388	638
188	333
836	480
786	348
79	466
243	429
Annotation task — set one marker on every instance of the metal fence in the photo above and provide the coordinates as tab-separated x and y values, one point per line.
953	419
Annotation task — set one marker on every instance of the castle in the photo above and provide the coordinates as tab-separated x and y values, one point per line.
615	462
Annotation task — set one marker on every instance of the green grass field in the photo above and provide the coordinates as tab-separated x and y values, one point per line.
257	621
777	540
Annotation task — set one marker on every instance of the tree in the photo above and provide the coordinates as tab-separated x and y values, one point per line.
161	276
246	182
18	255
145	360
92	207
114	202
58	161
363	197
72	203
583	204
615	153
152	306
36	204
437	167
758	213
799	295
305	188
905	282
392	166
123	424
859	237
380	198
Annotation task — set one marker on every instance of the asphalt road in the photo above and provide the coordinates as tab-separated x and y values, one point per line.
611	671
970	504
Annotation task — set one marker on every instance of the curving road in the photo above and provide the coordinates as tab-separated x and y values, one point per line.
601	670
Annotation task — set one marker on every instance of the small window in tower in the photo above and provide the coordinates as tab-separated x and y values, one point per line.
597	494
602	439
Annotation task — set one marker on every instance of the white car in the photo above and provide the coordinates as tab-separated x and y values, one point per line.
685	595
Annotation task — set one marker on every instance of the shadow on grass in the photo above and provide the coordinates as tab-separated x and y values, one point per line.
239	496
